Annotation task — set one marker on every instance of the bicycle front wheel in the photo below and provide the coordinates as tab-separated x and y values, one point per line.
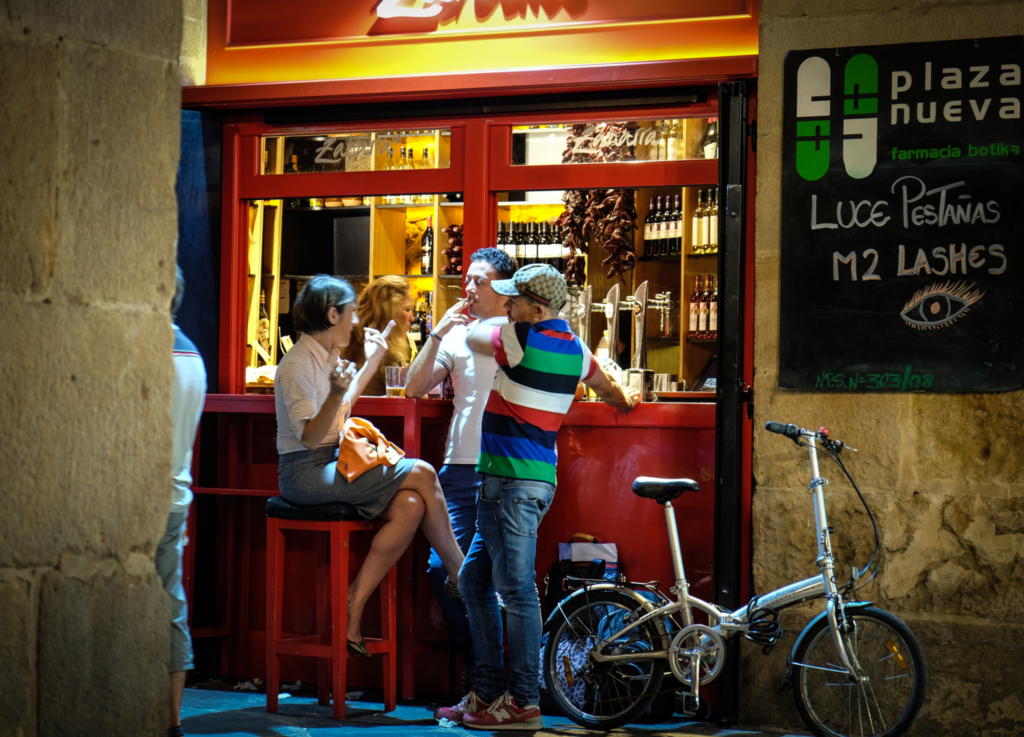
610	694
889	696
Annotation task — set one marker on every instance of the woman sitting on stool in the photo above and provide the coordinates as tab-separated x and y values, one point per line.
314	394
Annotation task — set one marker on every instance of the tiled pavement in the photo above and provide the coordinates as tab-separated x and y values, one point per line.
225	713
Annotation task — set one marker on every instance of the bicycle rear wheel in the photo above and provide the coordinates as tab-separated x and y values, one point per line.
885	702
602	695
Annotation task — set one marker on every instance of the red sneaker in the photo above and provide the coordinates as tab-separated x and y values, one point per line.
470	702
504	714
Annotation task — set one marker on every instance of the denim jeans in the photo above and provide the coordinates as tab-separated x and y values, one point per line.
169	552
501	557
460	483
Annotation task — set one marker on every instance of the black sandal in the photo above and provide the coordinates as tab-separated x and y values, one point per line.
359	648
452	590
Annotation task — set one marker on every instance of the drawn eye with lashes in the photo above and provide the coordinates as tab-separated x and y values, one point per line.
939	305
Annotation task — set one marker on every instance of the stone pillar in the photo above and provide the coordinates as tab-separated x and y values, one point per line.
192	59
90	118
942	472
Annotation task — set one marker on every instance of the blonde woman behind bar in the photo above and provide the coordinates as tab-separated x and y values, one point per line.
314	394
387	299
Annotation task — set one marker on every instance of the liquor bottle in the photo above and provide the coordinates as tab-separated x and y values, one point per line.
705	222
672	141
263	327
656	224
263	306
520	244
555	248
713	220
677	228
500	242
705	310
709	143
565	252
402	163
409	162
427	250
389	162
426	163
544	250
713	314
665	218
532	247
654	149
698	217
694	328
293	167
668	227
649	229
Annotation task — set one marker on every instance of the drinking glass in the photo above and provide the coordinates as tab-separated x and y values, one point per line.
394	377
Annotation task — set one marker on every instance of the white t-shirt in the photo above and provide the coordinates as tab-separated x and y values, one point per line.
472	377
188	394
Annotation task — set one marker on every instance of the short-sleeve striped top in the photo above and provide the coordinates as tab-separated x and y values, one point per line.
539	368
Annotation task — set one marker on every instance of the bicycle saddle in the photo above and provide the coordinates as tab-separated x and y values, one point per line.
662	490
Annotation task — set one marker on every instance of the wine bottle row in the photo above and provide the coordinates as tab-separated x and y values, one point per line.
704	238
704	308
663	228
532	243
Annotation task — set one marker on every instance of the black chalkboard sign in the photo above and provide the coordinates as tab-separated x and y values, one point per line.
903	182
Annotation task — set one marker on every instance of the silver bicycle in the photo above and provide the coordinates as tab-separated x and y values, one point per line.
855	669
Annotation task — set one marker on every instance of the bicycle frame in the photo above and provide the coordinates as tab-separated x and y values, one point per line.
729	623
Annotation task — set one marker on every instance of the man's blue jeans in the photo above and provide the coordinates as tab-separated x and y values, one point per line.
460	483
501	557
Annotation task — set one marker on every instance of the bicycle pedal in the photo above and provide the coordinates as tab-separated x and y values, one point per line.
687	703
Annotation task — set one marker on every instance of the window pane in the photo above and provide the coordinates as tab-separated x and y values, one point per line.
637	140
357	151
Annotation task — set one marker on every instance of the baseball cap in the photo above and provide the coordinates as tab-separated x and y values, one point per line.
540	282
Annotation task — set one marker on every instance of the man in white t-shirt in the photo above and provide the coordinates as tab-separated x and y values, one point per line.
188	394
445	353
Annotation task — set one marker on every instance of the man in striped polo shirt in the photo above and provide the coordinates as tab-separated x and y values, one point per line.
540	363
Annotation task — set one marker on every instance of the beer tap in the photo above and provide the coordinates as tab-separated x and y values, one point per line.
611	313
578	311
638	376
668	318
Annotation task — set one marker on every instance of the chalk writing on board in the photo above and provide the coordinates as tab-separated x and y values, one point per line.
890	382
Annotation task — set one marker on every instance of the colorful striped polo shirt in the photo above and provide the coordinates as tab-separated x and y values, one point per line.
539	367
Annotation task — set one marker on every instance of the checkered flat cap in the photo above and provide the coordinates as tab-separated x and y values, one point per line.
540	282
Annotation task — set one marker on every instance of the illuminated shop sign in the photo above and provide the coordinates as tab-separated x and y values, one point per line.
900	229
258	22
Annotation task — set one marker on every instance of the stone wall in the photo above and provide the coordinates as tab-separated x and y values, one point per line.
192	59
89	109
942	473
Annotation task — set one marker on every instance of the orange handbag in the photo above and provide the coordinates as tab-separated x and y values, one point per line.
363	447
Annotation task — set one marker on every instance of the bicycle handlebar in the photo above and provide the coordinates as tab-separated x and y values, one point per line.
794	433
790	431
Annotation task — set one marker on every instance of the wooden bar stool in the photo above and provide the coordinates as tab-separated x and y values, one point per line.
339	521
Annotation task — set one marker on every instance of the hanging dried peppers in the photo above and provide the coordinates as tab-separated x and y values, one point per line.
571	223
611	220
606	215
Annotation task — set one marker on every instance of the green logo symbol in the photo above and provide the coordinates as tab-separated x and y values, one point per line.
860	117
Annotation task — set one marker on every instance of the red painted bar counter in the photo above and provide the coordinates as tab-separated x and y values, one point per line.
600	452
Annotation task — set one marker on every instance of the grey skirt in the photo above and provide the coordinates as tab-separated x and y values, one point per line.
311	477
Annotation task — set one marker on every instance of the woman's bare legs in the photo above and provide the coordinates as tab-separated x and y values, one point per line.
420	503
403	515
437	526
